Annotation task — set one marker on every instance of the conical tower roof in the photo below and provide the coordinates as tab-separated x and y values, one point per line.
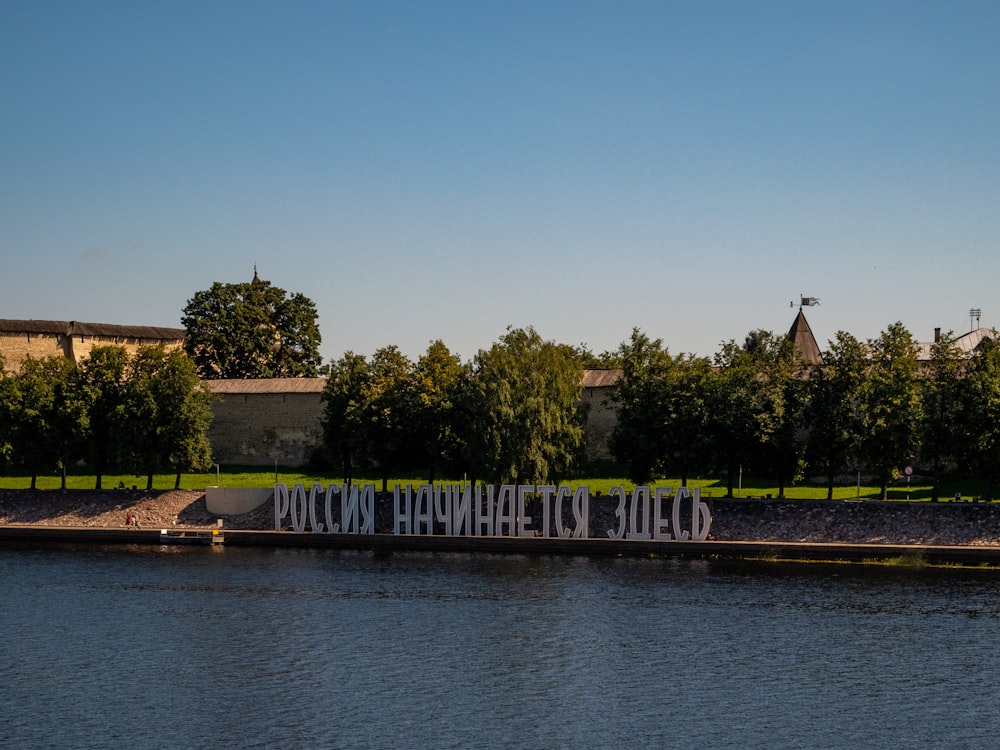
802	336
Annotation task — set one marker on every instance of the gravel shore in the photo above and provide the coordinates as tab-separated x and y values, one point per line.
108	509
964	524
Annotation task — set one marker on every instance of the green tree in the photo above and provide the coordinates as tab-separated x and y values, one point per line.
834	415
103	382
252	330
10	400
50	418
527	391
748	402
169	414
638	437
390	407
663	406
941	396
344	418
782	380
981	414
437	379
892	410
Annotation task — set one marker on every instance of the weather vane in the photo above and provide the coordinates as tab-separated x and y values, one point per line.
805	302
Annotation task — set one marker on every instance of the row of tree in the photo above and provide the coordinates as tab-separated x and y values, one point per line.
138	414
872	407
511	415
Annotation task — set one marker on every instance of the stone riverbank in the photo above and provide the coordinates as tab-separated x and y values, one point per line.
867	522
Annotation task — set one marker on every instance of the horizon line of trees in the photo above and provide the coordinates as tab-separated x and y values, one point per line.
139	414
513	414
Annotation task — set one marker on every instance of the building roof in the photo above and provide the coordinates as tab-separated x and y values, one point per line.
104	330
601	378
967	343
802	336
266	385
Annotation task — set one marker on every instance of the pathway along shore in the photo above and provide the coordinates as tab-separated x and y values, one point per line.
963	533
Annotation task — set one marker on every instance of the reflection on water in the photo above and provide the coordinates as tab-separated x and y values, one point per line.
145	647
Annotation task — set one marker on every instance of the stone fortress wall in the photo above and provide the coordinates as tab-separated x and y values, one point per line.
255	422
20	339
258	422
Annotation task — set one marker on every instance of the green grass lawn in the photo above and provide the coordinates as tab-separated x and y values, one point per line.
256	476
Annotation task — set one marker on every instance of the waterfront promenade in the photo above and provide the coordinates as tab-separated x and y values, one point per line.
956	533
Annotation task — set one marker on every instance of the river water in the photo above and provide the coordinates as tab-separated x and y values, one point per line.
124	647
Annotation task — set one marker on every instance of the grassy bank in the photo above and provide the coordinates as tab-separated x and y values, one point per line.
256	476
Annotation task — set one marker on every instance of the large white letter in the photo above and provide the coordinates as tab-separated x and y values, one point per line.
349	510
297	503
660	522
423	513
401	514
484	516
546	490
316	526
331	490
639	531
682	494
280	504
505	500
619	513
523	519
699	532
463	510
368	509
581	512
562	493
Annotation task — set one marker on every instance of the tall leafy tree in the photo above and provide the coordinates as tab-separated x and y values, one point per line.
102	379
10	400
437	379
981	414
345	395
748	402
390	407
638	439
169	414
252	330
527	390
782	381
835	402
663	405
943	424
50	418
892	408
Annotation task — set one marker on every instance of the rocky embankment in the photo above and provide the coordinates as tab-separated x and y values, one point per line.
732	520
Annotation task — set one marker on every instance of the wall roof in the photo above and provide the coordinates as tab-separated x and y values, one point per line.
104	330
267	385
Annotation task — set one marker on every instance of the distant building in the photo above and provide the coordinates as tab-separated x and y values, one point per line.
258	422
601	413
967	343
20	339
801	335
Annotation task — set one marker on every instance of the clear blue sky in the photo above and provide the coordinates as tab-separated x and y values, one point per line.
427	170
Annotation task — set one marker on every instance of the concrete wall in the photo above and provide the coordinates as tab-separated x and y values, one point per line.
601	420
254	429
233	501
